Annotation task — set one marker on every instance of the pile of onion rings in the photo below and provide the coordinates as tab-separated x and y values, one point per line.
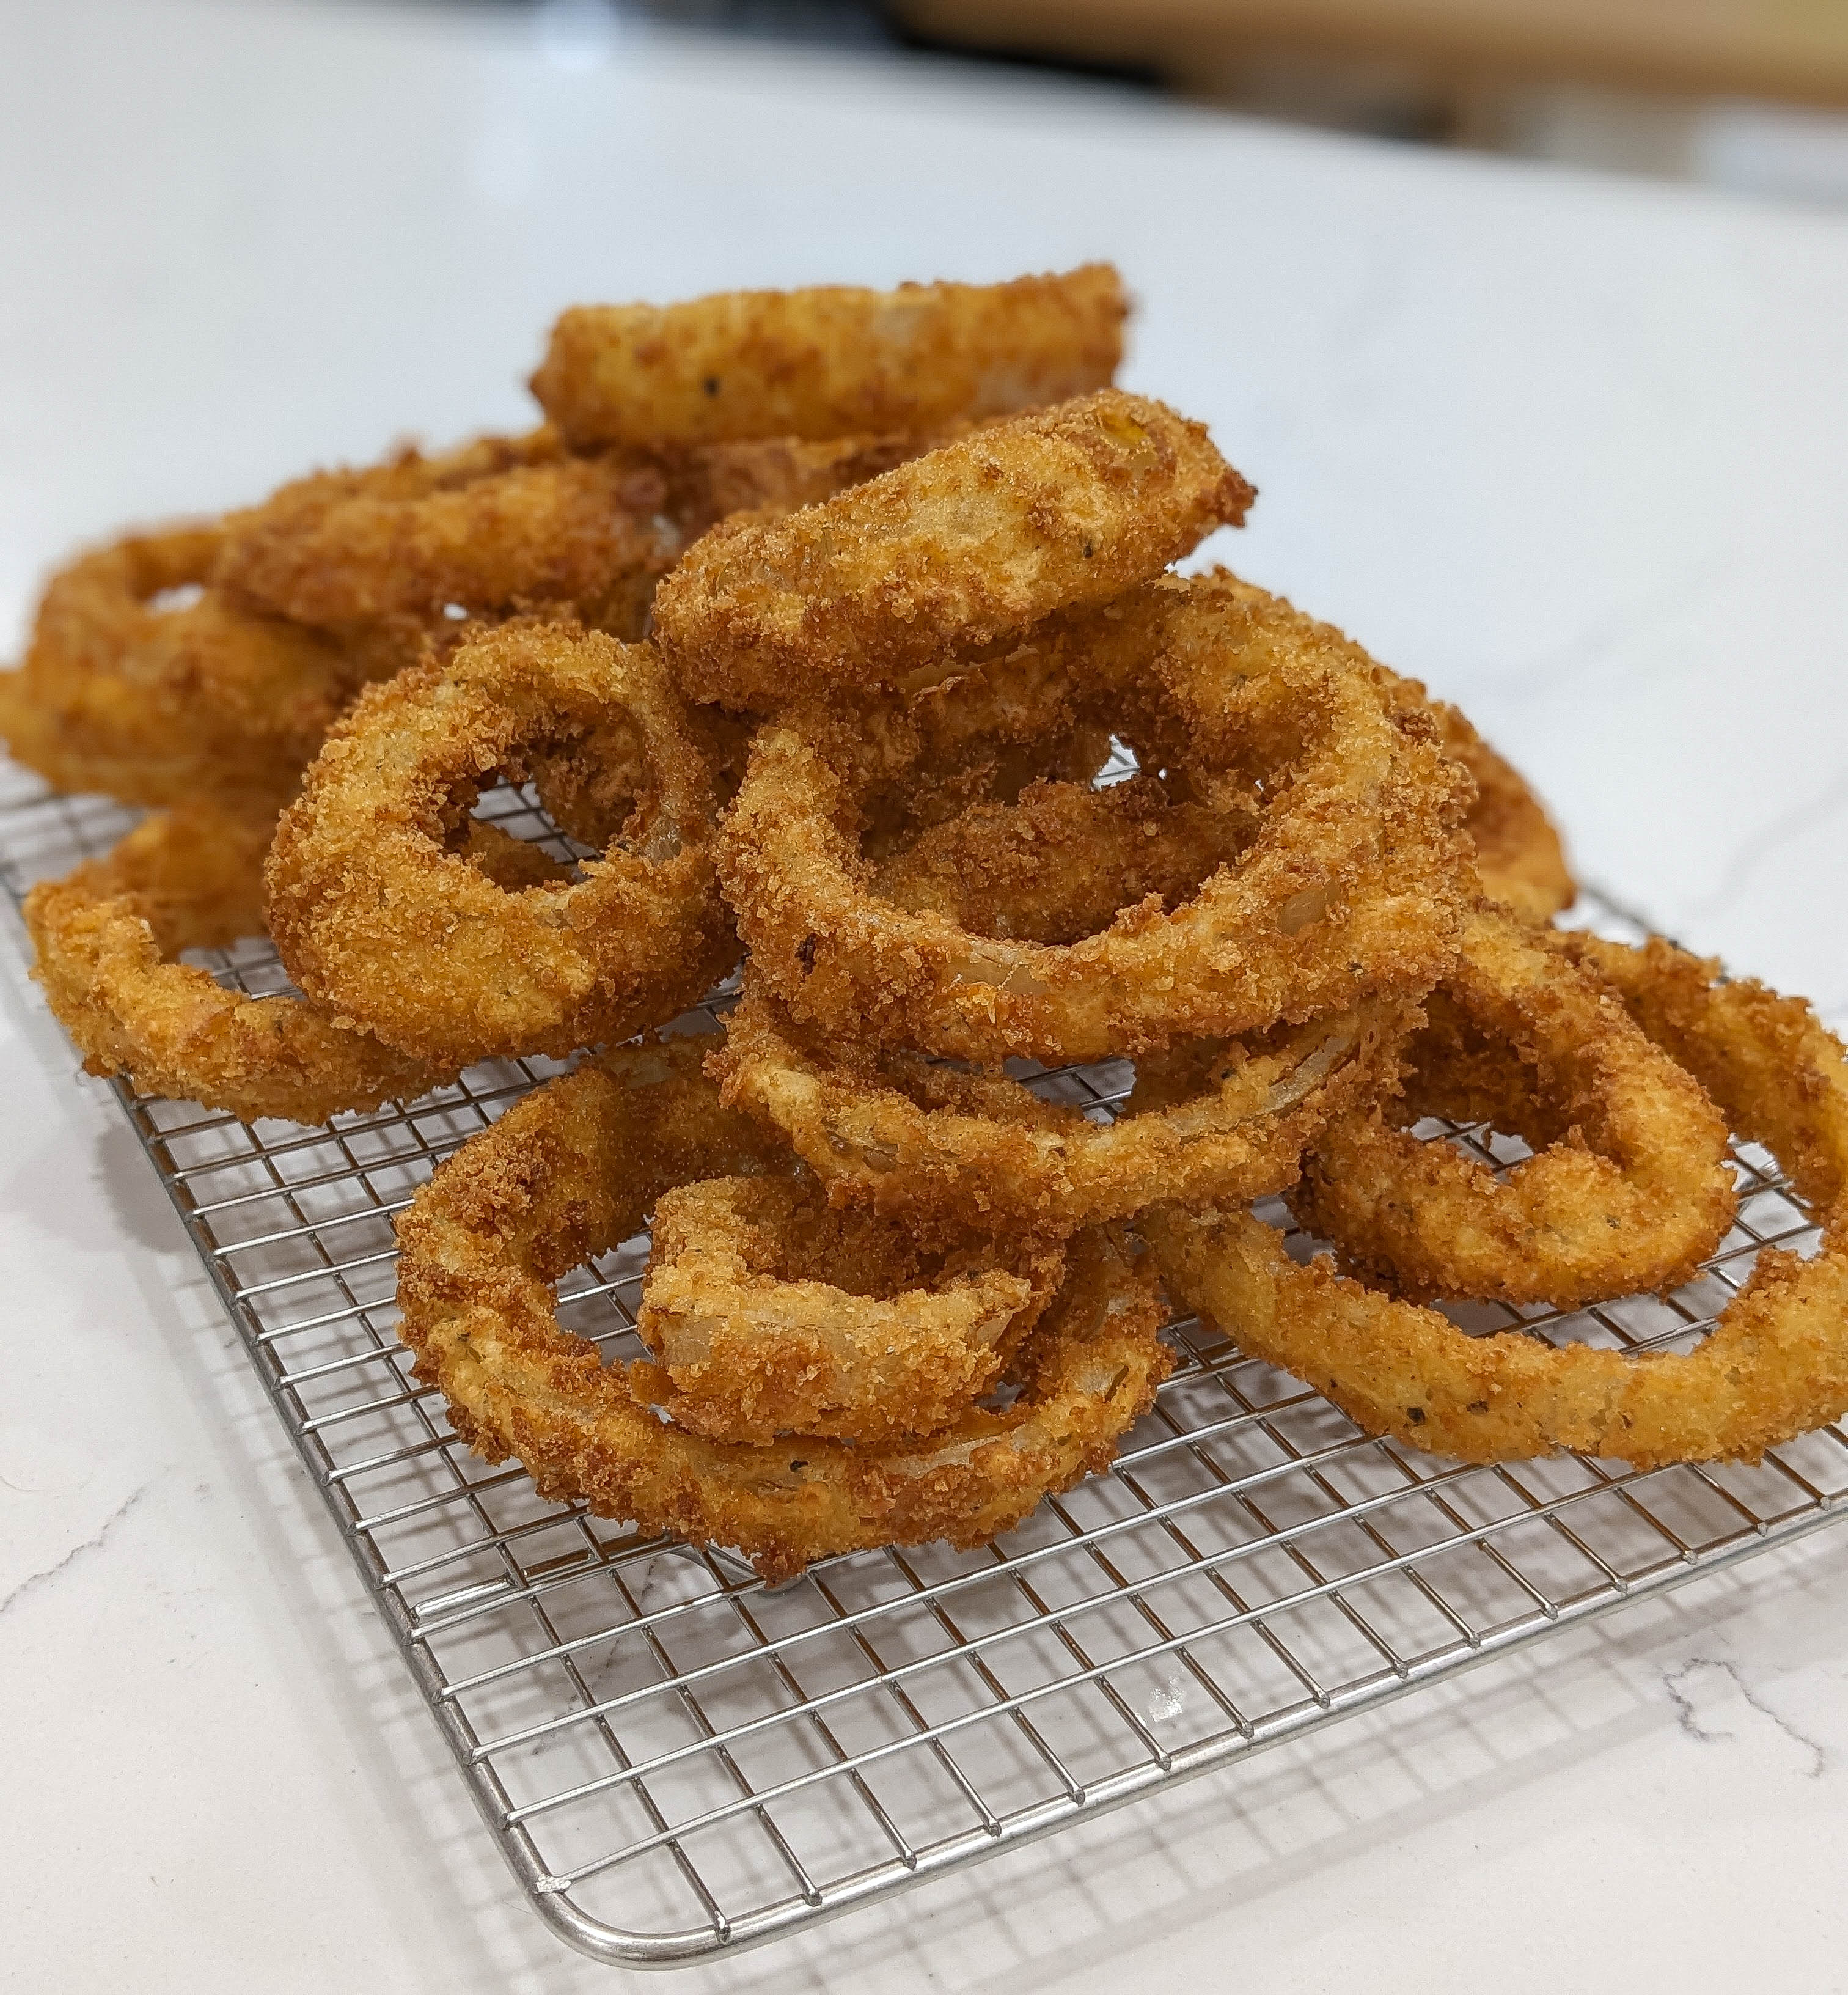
942	557
1339	818
839	632
1775	1365
573	1170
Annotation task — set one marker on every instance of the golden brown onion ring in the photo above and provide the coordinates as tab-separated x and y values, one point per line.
374	915
830	360
571	1171
1519	856
582	532
135	756
107	937
1344	812
1775	1365
991	867
1212	1122
772	1313
946	555
1627	1192
124	694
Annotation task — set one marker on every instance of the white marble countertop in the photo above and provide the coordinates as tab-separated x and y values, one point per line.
1575	451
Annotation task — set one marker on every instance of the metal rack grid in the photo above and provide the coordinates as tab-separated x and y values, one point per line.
675	1763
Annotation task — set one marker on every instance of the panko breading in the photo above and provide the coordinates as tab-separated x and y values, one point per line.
1628	1191
572	1170
1057	511
374	913
830	361
107	937
773	1312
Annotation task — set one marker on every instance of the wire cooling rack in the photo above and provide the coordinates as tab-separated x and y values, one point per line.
675	1763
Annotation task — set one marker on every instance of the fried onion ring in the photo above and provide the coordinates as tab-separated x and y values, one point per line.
1346	884
1775	1365
1628	1193
1212	1122
156	702
945	554
582	532
772	1313
829	361
1519	857
135	755
498	525
375	916
106	936
571	1171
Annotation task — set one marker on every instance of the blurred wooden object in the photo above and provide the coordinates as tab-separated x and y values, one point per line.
1796	50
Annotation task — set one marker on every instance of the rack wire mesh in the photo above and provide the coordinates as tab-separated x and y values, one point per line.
677	1762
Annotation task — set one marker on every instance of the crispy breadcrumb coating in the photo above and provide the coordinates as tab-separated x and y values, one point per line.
572	1170
829	361
1057	511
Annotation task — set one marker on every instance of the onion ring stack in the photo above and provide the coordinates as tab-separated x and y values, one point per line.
1775	1366
573	1170
840	630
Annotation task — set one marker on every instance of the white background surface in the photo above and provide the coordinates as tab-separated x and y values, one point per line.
1574	452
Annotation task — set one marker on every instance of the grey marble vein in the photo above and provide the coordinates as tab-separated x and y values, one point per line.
34	1581
1774	838
1674	1682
